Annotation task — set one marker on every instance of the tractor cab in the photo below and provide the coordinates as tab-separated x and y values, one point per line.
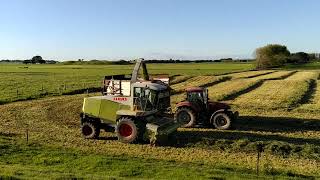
197	95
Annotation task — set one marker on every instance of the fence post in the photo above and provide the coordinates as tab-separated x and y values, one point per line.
27	134
17	93
259	149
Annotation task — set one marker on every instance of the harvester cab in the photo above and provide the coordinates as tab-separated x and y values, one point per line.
132	107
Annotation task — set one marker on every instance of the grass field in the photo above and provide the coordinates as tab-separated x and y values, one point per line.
20	82
278	112
52	125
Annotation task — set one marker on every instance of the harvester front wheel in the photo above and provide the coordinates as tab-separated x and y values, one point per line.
222	121
90	130
186	116
126	130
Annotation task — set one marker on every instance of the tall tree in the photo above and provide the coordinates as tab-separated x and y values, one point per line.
272	55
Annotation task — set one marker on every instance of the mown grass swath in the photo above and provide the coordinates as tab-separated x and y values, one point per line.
304	76
312	104
276	75
278	94
250	74
198	81
178	79
229	89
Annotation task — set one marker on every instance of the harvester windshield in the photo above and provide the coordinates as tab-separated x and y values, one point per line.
146	99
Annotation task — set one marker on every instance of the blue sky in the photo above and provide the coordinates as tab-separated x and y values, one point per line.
127	29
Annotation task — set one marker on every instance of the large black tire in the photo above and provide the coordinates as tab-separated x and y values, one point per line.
185	115
127	130
90	130
222	121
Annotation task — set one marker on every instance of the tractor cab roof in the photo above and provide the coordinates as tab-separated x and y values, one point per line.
151	85
194	89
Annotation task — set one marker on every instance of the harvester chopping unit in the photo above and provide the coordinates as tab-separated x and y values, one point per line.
134	108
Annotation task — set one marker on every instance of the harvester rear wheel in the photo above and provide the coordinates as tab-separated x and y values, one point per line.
126	130
90	130
222	121
186	116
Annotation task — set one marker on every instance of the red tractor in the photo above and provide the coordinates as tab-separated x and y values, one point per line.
198	110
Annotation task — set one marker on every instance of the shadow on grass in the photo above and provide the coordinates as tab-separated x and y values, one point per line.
2	134
112	138
252	132
276	124
186	138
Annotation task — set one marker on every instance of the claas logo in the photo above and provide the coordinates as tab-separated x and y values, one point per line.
120	99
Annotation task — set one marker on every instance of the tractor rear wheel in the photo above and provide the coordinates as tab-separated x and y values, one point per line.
222	121
90	130
186	116
126	130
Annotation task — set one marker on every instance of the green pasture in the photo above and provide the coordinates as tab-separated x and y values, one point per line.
19	82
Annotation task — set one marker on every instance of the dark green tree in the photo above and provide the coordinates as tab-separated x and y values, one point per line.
37	59
272	55
299	58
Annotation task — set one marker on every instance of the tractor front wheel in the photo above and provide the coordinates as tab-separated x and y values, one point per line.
186	116
126	130
90	130
222	121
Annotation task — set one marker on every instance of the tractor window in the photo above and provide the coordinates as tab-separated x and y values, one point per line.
195	97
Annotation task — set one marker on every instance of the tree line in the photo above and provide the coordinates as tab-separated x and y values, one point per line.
276	55
33	60
269	56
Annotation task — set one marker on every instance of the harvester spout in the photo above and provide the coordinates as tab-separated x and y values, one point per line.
136	69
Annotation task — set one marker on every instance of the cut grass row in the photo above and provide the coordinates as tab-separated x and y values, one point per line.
250	74
198	81
276	75
278	94
179	79
231	89
313	105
